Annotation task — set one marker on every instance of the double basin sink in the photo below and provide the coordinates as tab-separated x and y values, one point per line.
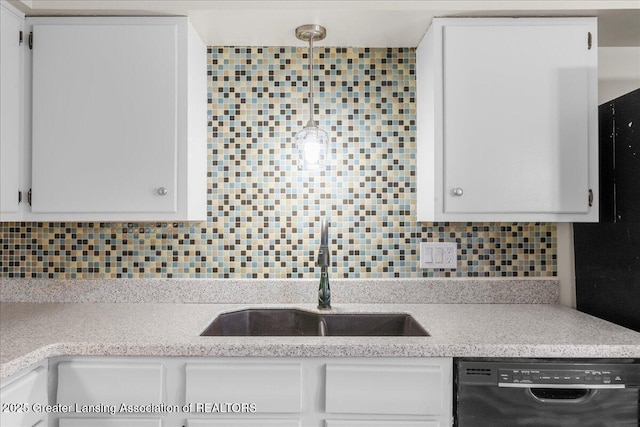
293	322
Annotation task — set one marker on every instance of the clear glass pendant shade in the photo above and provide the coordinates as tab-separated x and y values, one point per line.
312	143
313	147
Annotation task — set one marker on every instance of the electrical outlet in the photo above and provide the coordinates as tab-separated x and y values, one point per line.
439	255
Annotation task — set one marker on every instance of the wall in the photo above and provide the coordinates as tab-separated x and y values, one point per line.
264	215
618	71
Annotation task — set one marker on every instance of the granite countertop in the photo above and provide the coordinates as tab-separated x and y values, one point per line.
31	332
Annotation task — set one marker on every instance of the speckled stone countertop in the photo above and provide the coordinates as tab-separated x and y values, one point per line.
464	317
31	332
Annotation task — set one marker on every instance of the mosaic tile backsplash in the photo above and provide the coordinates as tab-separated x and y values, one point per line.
264	214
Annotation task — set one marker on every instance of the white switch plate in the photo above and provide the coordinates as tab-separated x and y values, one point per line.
439	255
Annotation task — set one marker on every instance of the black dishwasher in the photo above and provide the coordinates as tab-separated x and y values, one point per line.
547	393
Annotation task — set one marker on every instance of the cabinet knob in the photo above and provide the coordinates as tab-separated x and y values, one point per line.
457	192
162	191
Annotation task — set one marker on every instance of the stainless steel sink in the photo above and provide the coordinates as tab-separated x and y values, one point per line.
293	322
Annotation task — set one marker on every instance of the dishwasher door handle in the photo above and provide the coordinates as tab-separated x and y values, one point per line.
569	396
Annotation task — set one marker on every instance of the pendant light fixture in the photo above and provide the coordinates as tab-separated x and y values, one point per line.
312	142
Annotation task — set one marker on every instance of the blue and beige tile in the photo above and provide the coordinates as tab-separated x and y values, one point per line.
264	214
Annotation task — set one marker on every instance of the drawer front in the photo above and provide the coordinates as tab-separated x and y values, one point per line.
272	388
388	423
243	423
30	388
97	383
384	389
110	422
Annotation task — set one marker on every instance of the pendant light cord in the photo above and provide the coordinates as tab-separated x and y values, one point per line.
311	120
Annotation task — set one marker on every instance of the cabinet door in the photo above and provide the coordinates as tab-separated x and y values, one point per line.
24	391
386	423
246	383
10	111
110	422
516	118
244	423
102	383
105	101
385	389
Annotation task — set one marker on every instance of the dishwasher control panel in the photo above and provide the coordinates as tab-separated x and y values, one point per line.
560	378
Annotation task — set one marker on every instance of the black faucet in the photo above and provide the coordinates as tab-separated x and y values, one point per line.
324	293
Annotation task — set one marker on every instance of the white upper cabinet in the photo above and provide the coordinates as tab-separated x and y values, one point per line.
507	120
11	84
118	119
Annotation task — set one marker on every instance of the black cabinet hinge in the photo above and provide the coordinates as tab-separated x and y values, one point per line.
589	40
590	197
29	196
20	38
31	40
19	196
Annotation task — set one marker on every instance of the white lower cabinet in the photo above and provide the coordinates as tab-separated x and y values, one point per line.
110	422
21	396
234	392
386	423
394	389
416	392
106	384
246	384
244	423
